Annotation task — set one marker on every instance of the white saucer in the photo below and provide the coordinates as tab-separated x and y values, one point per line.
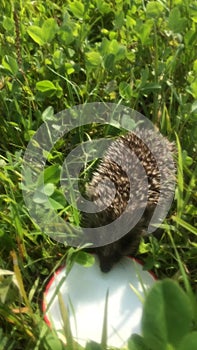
84	294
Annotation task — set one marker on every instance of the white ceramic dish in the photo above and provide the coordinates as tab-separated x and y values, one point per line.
84	291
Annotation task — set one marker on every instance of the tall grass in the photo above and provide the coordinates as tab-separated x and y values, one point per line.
140	54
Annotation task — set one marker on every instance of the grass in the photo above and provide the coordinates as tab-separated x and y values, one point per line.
57	55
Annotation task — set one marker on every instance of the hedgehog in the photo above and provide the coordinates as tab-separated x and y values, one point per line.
128	181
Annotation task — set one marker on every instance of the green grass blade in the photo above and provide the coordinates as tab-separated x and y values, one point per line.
185	224
104	330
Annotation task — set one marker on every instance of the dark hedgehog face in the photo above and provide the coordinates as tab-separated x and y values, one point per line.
106	265
112	253
107	259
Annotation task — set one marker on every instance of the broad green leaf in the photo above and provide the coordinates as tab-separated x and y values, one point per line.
195	66
119	20
53	342
143	30
67	37
52	174
59	197
8	23
36	33
118	50
93	346
189	342
176	23
40	198
69	68
45	85
58	58
194	107
44	34
125	90
48	114
194	88
167	315
55	205
42	193
94	58
187	160
49	29
104	47
103	6
127	122
109	61
49	189
136	342
84	258
10	64
193	12
154	9
77	8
